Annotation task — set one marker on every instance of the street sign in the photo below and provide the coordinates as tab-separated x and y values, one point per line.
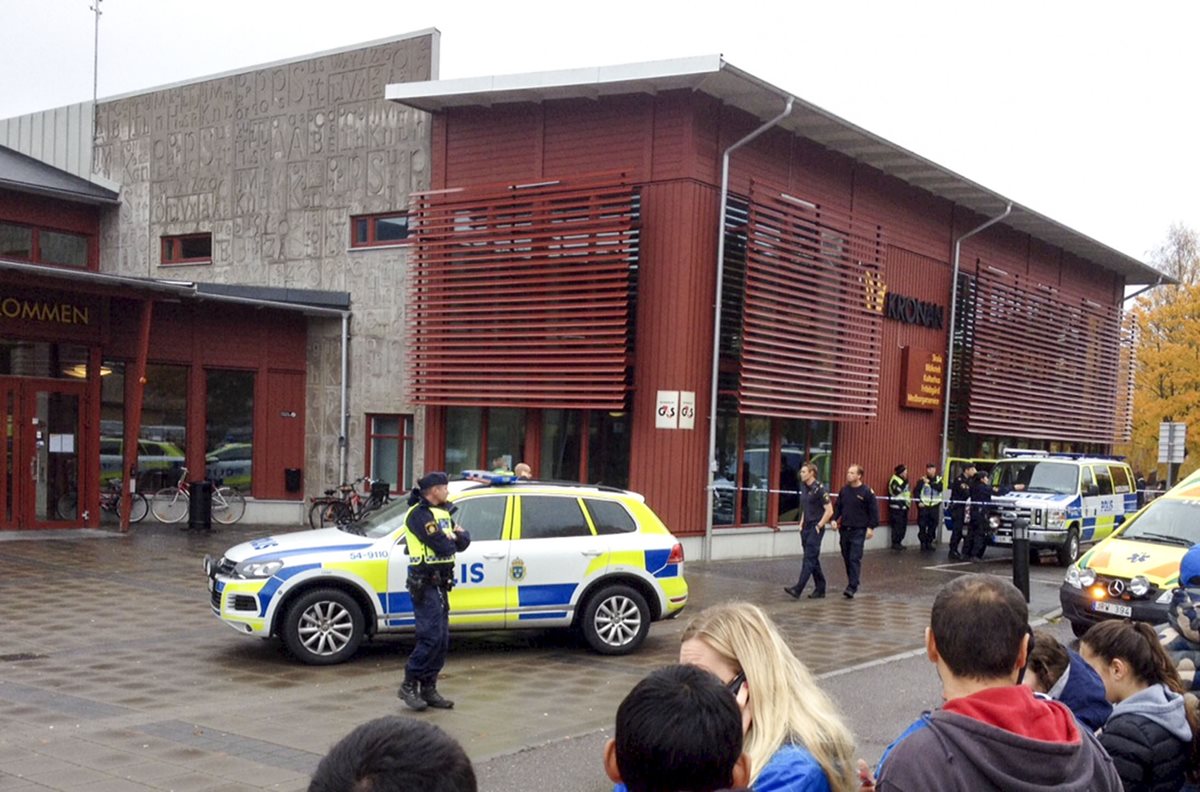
1172	442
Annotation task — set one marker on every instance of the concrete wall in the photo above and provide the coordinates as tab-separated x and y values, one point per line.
273	162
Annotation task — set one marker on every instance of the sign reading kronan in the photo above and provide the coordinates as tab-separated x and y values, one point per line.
24	309
923	378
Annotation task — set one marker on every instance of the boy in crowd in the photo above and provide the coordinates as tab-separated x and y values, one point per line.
678	729
394	754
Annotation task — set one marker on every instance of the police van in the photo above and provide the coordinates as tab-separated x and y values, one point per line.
541	555
1066	499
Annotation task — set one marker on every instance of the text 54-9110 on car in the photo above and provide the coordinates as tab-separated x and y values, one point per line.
541	555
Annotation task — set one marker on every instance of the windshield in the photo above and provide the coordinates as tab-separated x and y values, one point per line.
1036	475
380	522
1166	520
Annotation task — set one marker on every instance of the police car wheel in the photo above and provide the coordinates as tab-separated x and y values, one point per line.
616	620
323	627
1068	551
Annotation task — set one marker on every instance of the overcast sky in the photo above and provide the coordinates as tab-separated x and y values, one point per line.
1084	111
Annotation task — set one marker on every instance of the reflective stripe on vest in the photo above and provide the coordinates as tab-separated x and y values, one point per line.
901	498
929	496
418	551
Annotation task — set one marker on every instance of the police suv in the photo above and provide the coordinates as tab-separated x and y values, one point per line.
1066	499
542	555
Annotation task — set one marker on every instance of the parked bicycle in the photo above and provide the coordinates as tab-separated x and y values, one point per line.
171	504
346	504
67	506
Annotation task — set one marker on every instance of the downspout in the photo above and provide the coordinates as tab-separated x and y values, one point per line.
716	347
343	441
950	335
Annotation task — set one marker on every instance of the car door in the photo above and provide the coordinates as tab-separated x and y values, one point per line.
478	598
1124	494
552	550
1101	506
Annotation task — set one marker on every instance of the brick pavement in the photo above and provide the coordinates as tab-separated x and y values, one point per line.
114	675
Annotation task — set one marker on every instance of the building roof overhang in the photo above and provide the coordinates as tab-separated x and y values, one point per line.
712	75
310	302
25	174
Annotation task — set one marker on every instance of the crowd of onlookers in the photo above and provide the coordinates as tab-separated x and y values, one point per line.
1020	711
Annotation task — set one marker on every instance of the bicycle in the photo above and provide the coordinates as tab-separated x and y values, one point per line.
110	501
171	504
345	504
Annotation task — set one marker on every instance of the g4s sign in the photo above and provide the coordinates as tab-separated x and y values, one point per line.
667	412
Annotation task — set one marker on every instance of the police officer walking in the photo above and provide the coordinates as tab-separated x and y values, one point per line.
960	493
928	492
432	540
981	495
815	511
856	514
899	500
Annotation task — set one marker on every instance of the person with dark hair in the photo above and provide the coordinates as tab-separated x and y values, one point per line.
1181	638
992	732
1058	673
977	531
394	754
856	514
816	512
960	496
432	539
1148	735
678	730
928	492
899	500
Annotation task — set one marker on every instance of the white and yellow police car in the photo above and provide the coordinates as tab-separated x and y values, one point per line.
542	555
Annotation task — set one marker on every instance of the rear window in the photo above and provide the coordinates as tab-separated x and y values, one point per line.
549	517
1120	479
609	517
1104	481
482	517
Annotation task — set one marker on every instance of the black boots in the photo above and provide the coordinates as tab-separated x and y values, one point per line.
411	697
430	695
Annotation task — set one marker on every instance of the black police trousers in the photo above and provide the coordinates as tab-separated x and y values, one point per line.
898	519
957	520
977	539
431	609
810	540
927	518
852	541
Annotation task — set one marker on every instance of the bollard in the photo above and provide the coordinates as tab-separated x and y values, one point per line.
1021	555
200	505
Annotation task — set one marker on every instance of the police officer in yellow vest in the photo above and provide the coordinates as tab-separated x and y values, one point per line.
929	505
432	540
899	499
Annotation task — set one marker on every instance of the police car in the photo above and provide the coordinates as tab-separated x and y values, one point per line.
1131	574
542	555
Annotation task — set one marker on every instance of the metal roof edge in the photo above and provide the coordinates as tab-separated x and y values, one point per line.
65	195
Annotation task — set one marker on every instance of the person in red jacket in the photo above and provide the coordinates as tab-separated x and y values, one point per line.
992	732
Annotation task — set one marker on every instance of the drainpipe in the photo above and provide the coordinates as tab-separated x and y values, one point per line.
343	441
716	348
950	343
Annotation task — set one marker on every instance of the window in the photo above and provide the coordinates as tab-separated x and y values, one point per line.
1103	480
609	517
229	433
390	450
482	517
164	421
560	444
548	517
187	249
43	245
1120	478
377	230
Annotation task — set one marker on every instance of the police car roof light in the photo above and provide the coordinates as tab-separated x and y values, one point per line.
1012	453
486	477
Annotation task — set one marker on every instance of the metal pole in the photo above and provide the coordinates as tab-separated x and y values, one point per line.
950	335
95	66
716	347
343	440
1021	556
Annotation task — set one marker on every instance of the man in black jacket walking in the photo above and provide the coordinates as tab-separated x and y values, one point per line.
856	514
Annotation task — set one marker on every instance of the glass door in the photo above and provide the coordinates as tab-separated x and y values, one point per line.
53	433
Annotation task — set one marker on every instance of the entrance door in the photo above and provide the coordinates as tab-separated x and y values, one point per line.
40	469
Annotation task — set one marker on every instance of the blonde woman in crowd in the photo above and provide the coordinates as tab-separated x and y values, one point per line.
795	738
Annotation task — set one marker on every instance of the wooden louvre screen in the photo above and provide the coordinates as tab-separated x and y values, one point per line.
812	312
521	296
1043	364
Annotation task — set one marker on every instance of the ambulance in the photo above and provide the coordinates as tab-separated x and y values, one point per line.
592	558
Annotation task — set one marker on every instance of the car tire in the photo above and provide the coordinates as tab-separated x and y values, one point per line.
615	620
1068	551
1080	628
323	627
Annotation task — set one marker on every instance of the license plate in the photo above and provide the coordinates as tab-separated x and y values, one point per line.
998	539
1113	608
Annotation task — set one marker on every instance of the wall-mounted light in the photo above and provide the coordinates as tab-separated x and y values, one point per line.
79	371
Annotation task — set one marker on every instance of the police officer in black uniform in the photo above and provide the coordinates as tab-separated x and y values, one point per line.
816	511
856	514
981	498
432	540
960	493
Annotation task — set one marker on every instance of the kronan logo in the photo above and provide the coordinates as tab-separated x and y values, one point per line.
910	310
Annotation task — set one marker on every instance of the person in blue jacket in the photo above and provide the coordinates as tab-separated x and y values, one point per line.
1058	673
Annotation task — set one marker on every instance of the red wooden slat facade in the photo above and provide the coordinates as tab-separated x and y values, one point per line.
520	295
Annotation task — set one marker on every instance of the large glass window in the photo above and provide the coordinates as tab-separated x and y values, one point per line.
41	359
464	428
608	448
482	517
112	421
59	248
16	241
390	450
549	517
560	444
726	477
505	437
756	461
229	427
163	435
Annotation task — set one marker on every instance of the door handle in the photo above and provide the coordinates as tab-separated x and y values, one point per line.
590	553
494	556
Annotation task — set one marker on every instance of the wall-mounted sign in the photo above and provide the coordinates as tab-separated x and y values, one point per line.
51	315
910	310
687	409
923	378
666	413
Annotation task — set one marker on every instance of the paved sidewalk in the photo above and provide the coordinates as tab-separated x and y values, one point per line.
114	675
